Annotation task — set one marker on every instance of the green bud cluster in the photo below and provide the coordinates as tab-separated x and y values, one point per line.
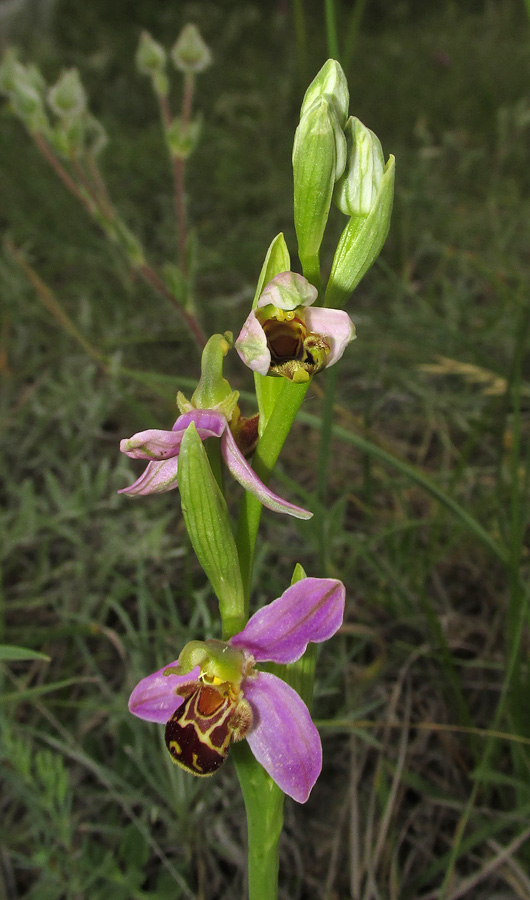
337	159
190	54
24	87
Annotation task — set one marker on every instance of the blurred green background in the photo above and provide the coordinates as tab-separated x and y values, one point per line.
422	698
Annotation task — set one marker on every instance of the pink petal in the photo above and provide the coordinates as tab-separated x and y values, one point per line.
159	445
283	738
310	610
209	422
244	473
335	326
252	346
154	698
157	478
288	290
152	444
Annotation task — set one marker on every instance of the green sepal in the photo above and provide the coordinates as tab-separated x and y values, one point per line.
361	243
268	388
213	391
207	521
314	173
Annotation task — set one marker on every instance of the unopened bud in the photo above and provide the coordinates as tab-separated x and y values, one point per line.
150	56
314	167
190	53
95	135
10	70
182	138
27	104
330	83
67	97
356	191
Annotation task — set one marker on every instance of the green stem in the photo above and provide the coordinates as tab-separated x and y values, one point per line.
267	452
264	806
331	30
323	460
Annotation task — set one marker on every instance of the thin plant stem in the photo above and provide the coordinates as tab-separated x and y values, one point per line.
92	202
59	169
156	282
330	391
331	29
352	31
264	808
265	457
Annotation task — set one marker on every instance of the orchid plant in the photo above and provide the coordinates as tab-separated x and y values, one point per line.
219	697
216	696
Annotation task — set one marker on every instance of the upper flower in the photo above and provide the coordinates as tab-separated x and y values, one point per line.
286	335
162	448
213	693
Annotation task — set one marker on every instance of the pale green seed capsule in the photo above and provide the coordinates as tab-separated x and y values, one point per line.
356	191
190	53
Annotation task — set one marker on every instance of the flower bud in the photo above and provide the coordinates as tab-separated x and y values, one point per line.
190	53
314	167
95	135
356	191
150	56
361	242
331	84
67	97
182	137
10	70
27	102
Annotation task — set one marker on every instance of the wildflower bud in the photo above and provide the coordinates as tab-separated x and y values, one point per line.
67	97
314	171
361	241
27	102
150	56
129	243
182	138
330	83
356	191
190	54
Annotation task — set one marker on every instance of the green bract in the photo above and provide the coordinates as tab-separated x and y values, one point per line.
361	242
331	84
208	525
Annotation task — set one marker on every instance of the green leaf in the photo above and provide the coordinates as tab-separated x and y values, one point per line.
276	261
208	524
9	652
361	242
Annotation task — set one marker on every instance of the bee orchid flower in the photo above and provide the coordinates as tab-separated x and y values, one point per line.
162	449
214	693
286	335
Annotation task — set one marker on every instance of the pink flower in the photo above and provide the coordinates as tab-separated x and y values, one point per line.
162	448
214	694
286	335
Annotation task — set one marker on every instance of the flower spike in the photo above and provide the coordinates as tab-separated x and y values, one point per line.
213	694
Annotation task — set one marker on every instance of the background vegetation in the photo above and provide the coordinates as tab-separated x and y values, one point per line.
422	699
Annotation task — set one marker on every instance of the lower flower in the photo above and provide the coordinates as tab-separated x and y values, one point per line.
214	694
